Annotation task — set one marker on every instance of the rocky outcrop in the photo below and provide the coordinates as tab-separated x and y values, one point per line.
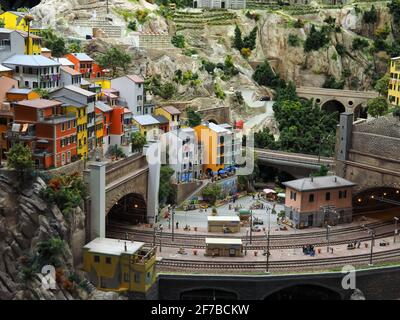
25	220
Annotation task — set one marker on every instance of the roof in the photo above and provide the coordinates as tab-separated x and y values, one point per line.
64	61
82	56
69	102
45	50
25	35
223	218
161	118
171	110
20	90
317	183
223	241
114	247
146	120
6	84
103	107
19	13
38	103
4	30
29	60
135	78
80	90
70	71
4	69
214	127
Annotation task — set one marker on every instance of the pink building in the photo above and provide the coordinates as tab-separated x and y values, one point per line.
317	201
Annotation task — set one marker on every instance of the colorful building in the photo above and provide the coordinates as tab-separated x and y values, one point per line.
148	126
11	43
82	103
215	141
106	112
394	83
130	90
47	129
16	21
172	114
33	43
85	65
117	265
35	71
18	94
317	201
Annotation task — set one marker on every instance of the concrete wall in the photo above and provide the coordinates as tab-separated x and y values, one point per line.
380	283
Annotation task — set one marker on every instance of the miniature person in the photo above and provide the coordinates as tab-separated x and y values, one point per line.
177	225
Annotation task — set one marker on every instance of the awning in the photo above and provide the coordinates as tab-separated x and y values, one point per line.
43	141
267	191
281	195
24	127
221	171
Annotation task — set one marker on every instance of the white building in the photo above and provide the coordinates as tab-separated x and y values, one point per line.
130	89
220	4
35	71
11	43
182	154
233	144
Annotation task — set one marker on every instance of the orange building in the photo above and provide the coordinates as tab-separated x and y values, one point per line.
44	126
18	94
85	65
317	201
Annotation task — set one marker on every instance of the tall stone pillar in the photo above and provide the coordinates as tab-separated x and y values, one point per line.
153	155
98	200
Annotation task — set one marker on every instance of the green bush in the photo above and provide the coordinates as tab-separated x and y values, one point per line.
316	39
178	41
293	40
360	44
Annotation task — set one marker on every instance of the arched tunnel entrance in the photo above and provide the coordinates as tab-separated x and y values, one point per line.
213	121
374	199
131	209
304	292
360	112
333	106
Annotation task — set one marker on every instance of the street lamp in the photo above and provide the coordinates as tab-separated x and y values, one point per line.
269	231
396	219
28	18
251	226
173	223
328	231
372	233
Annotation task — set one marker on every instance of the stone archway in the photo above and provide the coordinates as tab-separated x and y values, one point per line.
332	106
304	292
360	111
131	208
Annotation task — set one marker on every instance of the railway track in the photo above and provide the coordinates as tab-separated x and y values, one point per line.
338	237
290	265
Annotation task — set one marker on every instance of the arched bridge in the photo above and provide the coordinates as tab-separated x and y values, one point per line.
297	164
117	189
338	100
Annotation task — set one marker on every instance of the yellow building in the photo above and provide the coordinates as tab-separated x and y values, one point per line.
172	114
16	21
394	83
99	128
35	43
103	83
117	265
148	126
212	138
81	116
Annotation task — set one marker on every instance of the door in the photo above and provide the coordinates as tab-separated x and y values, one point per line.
310	220
222	4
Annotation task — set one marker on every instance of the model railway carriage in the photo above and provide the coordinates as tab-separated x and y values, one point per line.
225	224
224	247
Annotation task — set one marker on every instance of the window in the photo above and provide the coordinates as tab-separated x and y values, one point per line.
311	197
108	260
327	196
96	259
137	277
126	277
17	69
63	127
345	194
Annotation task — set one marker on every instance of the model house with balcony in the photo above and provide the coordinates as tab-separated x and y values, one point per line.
105	111
85	65
318	201
35	71
47	129
33	43
130	90
172	114
116	265
82	103
233	146
181	149
11	43
217	145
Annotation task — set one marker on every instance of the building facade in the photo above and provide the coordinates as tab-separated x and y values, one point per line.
318	201
394	83
116	265
220	4
130	90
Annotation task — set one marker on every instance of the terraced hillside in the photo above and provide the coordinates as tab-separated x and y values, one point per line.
196	20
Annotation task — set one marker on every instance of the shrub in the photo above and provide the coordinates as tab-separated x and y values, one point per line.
340	49
316	39
115	151
219	92
178	40
246	52
360	44
132	25
293	40
377	106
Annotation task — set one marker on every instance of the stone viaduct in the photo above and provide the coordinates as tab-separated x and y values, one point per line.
338	100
